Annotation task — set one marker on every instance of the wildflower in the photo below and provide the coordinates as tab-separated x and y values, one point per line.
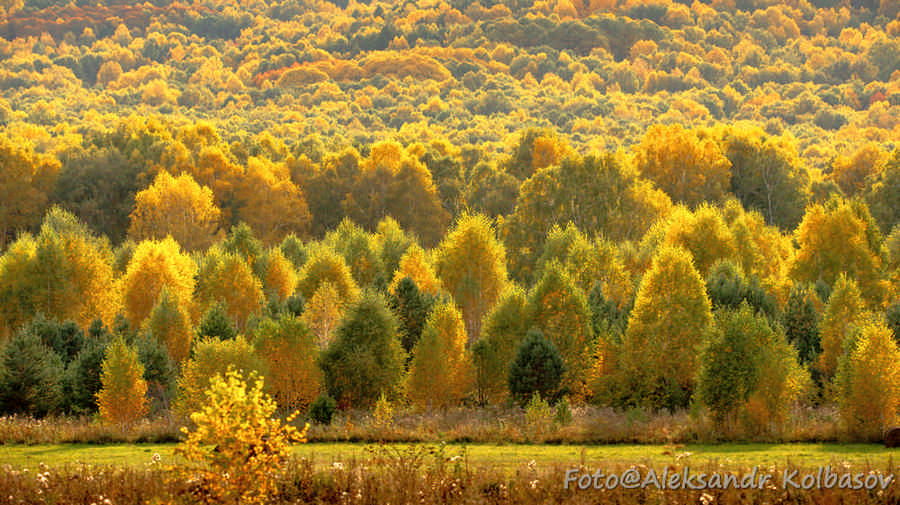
337	465
533	484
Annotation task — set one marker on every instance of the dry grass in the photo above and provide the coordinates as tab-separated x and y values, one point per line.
491	425
589	425
85	430
425	475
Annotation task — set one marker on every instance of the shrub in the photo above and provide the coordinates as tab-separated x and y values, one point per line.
250	447
322	410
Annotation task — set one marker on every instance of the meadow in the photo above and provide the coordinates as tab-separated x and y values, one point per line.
507	457
439	473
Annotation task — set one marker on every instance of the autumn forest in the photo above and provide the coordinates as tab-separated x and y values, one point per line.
659	205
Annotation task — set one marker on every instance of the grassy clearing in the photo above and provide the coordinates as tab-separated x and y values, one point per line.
505	457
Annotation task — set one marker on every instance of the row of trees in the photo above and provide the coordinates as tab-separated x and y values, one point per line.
700	308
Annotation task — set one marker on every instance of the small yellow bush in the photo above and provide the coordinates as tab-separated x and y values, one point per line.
237	450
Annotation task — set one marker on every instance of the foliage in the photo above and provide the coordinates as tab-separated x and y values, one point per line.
666	330
844	311
749	374
176	207
440	372
170	325
688	168
251	448
801	322
122	398
412	308
228	279
216	323
868	380
28	375
504	328
154	266
211	357
289	349
365	359
537	369
81	382
559	309
471	264
324	265
323	409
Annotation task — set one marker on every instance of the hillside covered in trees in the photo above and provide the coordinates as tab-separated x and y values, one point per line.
629	203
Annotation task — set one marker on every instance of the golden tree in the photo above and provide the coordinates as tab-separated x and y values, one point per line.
440	372
237	450
869	382
471	264
666	329
227	278
210	357
844	311
170	325
837	238
688	169
415	265
323	313
324	265
280	279
156	265
178	207
122	398
558	307
289	350
271	204
25	179
703	233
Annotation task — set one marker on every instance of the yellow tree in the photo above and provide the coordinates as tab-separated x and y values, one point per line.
170	325
212	356
271	204
178	207
703	233
851	174
324	265
252	446
289	349
666	329
471	264
844	311
156	265
280	279
689	169
415	265
323	313
227	278
64	272
504	329
869	383
122	398
390	182
25	179
440	373
840	237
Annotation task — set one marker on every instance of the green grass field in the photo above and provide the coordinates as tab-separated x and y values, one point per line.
507	457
